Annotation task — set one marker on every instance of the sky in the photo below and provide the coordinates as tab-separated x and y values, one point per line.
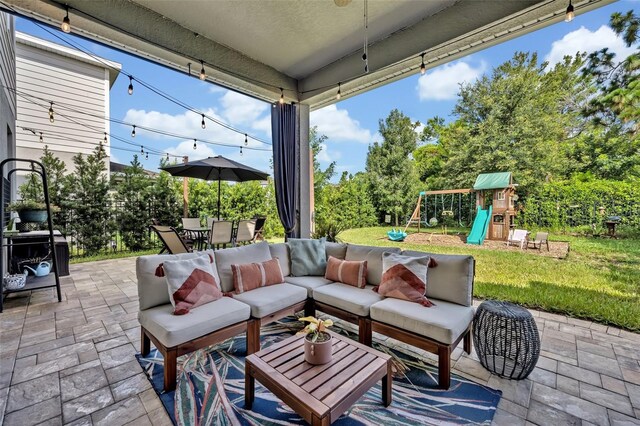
351	125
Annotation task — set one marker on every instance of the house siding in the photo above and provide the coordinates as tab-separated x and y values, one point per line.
80	93
8	80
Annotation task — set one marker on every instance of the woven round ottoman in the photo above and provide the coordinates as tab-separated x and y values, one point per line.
506	339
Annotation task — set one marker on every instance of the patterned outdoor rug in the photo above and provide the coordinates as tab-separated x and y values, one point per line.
198	399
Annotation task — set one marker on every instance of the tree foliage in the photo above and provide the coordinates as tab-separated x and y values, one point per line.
132	192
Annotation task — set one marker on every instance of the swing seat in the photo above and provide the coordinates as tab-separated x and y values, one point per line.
396	235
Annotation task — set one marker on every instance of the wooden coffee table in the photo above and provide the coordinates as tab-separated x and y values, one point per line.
318	393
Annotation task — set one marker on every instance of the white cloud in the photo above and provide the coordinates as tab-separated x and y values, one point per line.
326	156
213	88
186	148
242	109
584	40
336	124
444	82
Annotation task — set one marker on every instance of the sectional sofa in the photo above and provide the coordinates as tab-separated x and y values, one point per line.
437	329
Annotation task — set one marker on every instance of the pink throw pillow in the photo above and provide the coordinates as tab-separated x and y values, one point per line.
249	276
404	277
350	272
191	283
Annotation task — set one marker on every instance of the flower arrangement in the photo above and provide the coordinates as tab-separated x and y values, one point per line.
316	329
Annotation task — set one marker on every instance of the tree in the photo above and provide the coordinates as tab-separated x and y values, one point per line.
89	197
166	202
134	215
521	118
391	175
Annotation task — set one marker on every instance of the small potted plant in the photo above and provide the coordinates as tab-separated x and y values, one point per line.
29	210
317	342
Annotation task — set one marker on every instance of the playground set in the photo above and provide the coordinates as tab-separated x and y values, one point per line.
491	198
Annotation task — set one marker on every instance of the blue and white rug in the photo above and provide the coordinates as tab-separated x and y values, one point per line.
210	390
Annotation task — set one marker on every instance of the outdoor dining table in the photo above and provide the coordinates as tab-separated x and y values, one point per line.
201	236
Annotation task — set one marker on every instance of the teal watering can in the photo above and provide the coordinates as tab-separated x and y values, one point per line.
41	270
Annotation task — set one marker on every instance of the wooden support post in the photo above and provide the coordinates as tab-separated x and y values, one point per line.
364	331
253	336
444	367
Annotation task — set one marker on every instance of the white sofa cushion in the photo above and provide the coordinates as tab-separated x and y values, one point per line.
373	256
153	290
253	253
172	330
443	322
347	297
310	283
281	251
337	250
452	279
267	300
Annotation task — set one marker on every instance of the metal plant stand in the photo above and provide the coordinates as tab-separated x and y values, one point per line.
506	339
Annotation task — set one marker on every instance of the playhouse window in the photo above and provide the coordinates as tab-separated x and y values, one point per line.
500	196
498	218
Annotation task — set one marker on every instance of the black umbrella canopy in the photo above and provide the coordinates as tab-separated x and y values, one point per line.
216	168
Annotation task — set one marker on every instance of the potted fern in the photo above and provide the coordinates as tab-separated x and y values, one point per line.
317	342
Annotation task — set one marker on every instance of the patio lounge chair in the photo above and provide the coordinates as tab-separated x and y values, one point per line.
221	233
173	243
245	232
257	233
518	237
541	238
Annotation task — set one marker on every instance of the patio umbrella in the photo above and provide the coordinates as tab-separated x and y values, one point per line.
216	168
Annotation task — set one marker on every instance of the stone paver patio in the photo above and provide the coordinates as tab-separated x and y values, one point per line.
73	362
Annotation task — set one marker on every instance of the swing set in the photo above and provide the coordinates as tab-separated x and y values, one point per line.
449	206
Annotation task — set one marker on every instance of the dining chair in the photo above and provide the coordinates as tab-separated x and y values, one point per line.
258	232
245	232
172	241
221	233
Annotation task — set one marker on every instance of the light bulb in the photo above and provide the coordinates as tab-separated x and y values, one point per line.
105	138
141	149
146	156
281	96
203	124
570	13
167	156
195	144
246	141
203	74
339	94
240	150
41	138
133	132
423	67
51	113
66	24
130	90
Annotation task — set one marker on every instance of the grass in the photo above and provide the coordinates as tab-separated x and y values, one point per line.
599	280
112	255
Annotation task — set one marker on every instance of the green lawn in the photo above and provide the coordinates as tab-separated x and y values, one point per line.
599	280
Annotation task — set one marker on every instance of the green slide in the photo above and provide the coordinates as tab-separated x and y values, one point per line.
480	226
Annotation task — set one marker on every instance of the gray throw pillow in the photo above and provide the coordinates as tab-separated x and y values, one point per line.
308	257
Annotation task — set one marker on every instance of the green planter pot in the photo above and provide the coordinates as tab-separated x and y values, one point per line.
37	216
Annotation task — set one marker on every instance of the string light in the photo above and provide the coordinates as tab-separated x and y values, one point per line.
240	150
167	156
51	112
423	67
141	149
570	13
339	94
130	89
281	96
246	141
203	124
146	155
66	23
133	132
195	145
41	138
105	138
203	74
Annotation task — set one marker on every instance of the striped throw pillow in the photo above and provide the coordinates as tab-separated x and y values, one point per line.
350	272
404	277
249	276
191	283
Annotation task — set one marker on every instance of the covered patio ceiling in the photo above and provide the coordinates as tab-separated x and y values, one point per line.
305	47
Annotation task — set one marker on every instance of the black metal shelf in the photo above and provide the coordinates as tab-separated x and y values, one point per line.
8	168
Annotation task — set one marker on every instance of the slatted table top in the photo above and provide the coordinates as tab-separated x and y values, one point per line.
319	393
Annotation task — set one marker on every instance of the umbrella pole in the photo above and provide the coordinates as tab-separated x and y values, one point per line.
185	191
218	199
